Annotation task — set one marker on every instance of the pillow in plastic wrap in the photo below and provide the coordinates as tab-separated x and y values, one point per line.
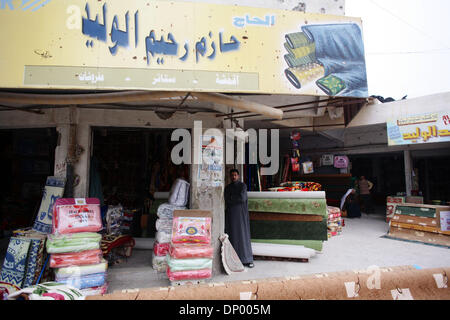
179	193
159	263
165	210
164	224
161	249
163	237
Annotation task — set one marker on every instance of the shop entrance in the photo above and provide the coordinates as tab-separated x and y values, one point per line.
27	158
128	166
386	171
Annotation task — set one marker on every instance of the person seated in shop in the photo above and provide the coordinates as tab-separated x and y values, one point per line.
351	205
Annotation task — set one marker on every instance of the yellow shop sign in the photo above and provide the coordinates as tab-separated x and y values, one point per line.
178	46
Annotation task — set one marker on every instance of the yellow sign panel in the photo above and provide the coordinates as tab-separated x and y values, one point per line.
178	46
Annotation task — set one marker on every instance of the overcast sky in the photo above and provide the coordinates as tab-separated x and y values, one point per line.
407	45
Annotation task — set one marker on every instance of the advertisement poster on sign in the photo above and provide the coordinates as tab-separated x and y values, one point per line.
416	129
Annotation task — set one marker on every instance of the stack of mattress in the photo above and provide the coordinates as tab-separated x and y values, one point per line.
392	201
74	245
178	198
334	221
298	219
190	252
421	223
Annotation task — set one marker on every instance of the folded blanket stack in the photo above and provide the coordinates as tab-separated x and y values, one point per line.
190	253
74	245
334	221
177	200
163	235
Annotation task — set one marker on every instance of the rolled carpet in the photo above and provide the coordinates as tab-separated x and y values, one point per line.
300	76
297	39
282	250
292	61
312	244
301	52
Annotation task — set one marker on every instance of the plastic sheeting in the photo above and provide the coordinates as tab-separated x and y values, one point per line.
165	210
163	237
159	264
161	249
179	193
164	224
76	215
191	230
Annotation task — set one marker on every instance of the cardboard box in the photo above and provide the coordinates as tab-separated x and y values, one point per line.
192	213
395	199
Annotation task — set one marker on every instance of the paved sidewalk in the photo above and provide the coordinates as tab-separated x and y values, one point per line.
358	247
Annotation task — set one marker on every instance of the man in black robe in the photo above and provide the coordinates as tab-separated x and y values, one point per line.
237	221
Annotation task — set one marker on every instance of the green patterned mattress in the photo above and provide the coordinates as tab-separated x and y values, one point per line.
295	206
292	230
416	211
